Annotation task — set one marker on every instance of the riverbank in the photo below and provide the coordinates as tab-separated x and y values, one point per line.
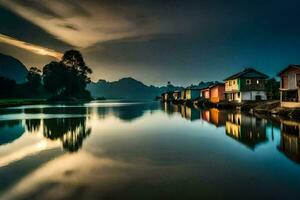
20	102
270	107
4	103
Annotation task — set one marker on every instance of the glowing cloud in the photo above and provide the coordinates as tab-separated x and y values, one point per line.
30	47
83	23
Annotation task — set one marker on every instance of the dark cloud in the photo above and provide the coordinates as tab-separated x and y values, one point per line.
20	28
157	41
69	26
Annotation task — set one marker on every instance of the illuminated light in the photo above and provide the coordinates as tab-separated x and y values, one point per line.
30	47
27	151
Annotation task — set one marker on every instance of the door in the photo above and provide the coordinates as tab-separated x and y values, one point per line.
258	97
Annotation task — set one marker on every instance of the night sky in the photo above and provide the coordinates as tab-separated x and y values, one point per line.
155	41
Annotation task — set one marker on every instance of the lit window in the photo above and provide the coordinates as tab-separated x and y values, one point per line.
257	82
248	81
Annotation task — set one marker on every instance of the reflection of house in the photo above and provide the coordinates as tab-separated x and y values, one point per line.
248	85
190	113
290	86
167	96
216	93
290	140
214	116
176	108
217	117
246	129
205	115
182	94
176	95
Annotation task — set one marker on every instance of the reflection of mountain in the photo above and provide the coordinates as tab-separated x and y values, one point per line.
10	131
290	140
246	129
128	112
67	110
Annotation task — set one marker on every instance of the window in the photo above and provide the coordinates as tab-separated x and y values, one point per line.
248	81
239	94
298	79
233	82
284	82
229	83
257	82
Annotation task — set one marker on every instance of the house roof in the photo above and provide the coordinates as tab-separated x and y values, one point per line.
217	84
195	88
287	68
248	73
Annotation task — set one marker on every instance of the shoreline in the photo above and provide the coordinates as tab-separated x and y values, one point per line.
6	103
267	108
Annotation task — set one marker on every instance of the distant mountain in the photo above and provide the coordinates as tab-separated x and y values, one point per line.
127	88
12	68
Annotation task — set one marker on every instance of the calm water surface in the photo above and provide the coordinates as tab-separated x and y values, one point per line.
145	150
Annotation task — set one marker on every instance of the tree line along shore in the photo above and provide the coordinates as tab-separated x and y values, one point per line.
63	80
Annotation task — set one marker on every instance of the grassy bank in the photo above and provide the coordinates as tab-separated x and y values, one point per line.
20	102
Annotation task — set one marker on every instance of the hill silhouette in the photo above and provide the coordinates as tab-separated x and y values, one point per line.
127	88
12	68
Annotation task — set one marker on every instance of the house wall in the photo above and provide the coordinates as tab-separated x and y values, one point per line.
251	95
232	85
290	104
290	79
192	94
217	94
195	94
247	84
205	94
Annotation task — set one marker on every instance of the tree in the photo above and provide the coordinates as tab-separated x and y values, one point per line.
68	77
54	78
78	71
34	78
272	88
7	87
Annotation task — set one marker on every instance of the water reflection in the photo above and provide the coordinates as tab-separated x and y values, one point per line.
146	150
248	130
290	140
10	131
70	131
67	124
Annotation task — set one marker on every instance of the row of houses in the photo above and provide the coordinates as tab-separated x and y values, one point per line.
247	85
